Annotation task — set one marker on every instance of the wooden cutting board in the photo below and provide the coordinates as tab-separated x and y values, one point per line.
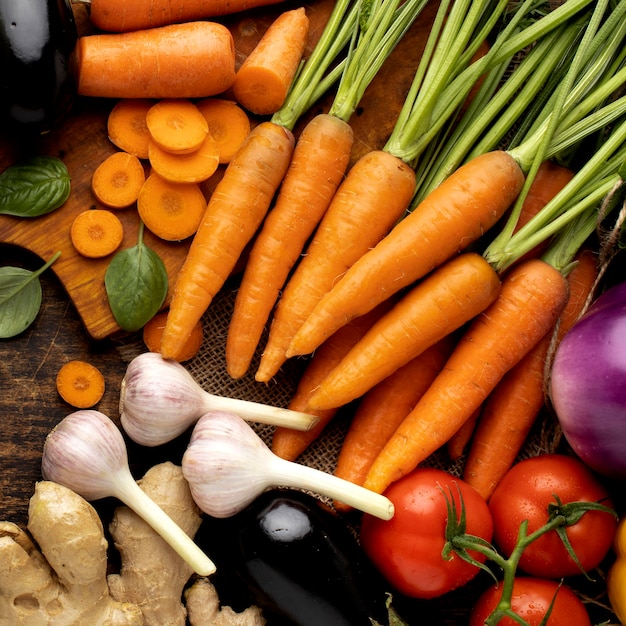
82	143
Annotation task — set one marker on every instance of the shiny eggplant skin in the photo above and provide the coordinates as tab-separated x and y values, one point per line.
298	561
38	77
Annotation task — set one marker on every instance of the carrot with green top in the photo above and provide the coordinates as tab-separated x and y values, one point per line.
383	408
320	161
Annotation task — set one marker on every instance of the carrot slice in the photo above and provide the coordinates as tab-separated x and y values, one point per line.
228	124
127	128
172	211
177	126
153	332
117	180
80	384
96	233
194	167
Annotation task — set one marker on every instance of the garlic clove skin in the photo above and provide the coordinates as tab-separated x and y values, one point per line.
227	466
159	400
224	464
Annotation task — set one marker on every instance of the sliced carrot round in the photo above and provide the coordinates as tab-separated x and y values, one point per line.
177	126
172	211
96	233
117	180
194	167
153	332
127	128
80	384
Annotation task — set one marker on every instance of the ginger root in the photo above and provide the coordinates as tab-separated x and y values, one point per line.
62	581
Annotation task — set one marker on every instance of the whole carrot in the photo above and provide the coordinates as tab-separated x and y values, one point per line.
122	16
190	60
235	210
467	204
371	199
319	162
532	297
440	304
289	443
263	80
512	408
383	408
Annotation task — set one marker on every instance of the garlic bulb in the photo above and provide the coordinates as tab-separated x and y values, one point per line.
160	399
227	466
86	452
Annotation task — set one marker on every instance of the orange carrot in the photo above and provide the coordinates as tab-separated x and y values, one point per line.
440	304
124	16
176	125
458	443
317	167
228	124
153	332
375	193
532	297
172	211
96	233
455	214
512	408
194	167
235	211
116	182
289	443
127	128
191	60
263	80
383	408
80	384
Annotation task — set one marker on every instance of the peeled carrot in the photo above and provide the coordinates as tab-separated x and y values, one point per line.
176	125
512	408
172	211
366	205
80	384
194	167
440	304
288	443
191	60
116	182
235	211
127	128
124	16
318	165
533	295
467	204
263	80
96	233
153	332
383	408
229	125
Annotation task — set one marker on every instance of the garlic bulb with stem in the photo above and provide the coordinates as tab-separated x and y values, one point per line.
86	452
227	466
160	399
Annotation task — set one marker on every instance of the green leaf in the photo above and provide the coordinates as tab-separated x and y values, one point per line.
34	187
136	284
20	298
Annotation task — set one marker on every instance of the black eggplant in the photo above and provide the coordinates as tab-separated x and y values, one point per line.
38	66
298	561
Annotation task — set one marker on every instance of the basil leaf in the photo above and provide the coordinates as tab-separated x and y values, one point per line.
20	298
34	187
136	284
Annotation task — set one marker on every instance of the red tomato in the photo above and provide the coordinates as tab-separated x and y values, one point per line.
407	548
531	600
524	494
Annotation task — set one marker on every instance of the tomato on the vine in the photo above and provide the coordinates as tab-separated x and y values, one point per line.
408	548
525	492
531	600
